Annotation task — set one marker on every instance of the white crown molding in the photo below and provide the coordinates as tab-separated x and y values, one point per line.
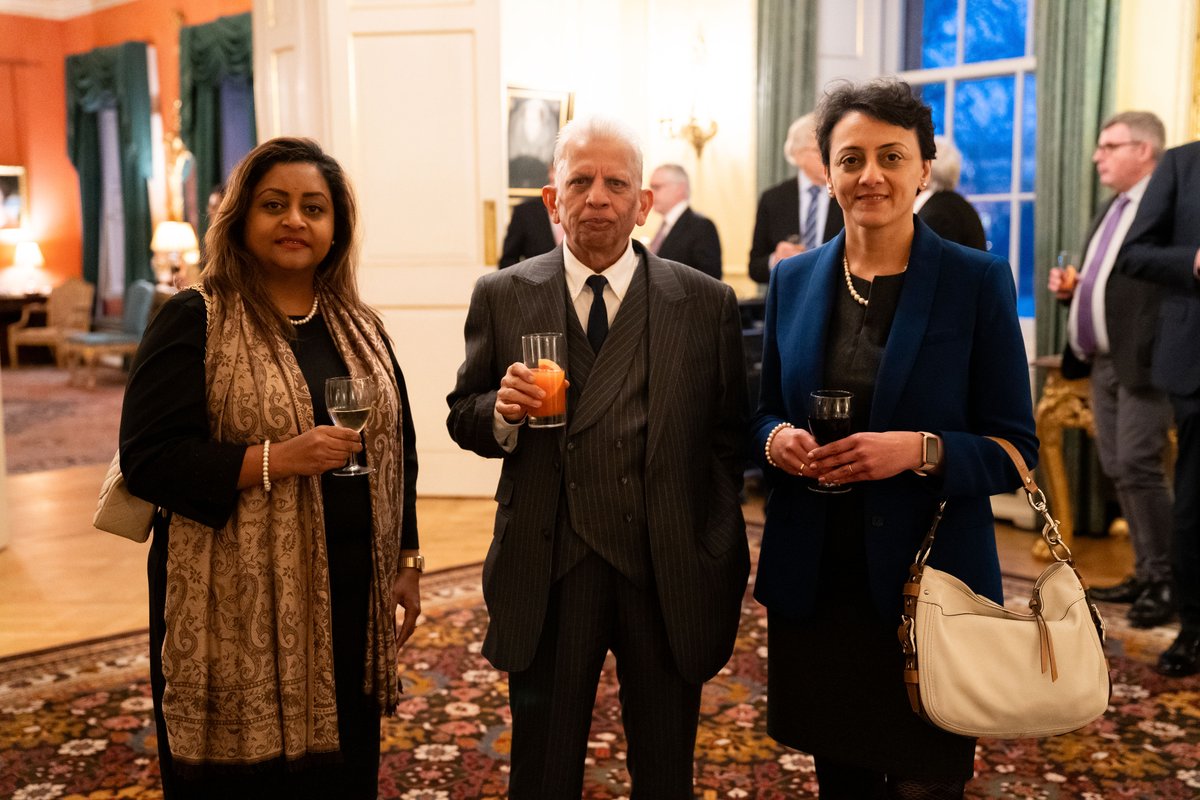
56	9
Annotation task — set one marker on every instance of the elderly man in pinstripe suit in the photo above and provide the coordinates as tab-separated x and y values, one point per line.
622	530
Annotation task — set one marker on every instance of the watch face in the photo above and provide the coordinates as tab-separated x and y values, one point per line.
930	451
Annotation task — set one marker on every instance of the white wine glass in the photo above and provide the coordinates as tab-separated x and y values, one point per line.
349	402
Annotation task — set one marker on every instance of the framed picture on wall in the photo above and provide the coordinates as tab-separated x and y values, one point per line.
534	117
14	197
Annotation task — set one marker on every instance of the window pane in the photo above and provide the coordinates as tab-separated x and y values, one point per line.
983	131
994	29
935	95
939	33
996	216
1026	291
1029	134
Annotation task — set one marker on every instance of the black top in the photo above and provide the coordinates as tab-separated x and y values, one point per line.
857	336
168	455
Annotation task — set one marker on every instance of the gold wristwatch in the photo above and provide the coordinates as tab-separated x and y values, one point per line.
416	562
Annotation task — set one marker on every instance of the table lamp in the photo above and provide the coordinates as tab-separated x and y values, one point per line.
171	240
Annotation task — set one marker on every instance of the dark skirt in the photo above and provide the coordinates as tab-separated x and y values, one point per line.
835	685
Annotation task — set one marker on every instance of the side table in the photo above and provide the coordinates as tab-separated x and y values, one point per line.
1064	404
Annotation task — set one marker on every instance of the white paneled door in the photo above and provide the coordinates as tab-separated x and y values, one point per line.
406	95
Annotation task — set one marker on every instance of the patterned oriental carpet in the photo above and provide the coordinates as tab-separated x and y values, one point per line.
49	424
76	723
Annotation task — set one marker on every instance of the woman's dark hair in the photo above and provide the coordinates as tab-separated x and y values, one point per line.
230	271
884	99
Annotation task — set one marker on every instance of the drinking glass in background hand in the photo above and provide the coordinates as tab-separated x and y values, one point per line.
828	421
543	354
349	402
1065	261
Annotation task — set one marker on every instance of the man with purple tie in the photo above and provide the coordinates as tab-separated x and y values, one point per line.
1111	328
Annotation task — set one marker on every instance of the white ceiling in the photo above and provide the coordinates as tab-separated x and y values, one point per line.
55	9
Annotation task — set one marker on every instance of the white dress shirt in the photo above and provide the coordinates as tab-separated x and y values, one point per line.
1106	267
619	275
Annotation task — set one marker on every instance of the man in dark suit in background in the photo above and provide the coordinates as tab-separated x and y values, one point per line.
530	233
685	236
1110	332
1163	247
621	530
798	214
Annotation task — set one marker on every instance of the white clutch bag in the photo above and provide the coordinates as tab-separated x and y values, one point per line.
120	512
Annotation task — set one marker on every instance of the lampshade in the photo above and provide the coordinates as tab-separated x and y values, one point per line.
28	254
173	237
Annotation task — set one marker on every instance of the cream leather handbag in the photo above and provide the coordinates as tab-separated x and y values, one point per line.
120	512
975	668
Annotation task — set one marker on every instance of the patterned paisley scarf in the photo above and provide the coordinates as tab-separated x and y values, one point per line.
248	656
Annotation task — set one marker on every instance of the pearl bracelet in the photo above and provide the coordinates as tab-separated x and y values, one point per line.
267	465
771	438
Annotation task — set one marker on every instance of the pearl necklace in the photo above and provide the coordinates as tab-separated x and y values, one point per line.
858	298
312	312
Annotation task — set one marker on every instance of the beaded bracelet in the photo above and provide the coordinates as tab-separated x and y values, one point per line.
267	465
771	438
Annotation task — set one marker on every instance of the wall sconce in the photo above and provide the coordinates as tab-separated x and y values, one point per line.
26	275
171	241
695	132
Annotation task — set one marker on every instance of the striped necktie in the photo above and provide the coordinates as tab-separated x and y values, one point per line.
809	233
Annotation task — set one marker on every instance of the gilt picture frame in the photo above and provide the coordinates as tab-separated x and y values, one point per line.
14	197
533	119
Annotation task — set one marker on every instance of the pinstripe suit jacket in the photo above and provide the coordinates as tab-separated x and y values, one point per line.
695	434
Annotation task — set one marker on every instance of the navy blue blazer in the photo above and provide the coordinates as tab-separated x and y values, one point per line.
954	365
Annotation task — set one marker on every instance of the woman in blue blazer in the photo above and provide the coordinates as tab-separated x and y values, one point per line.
925	334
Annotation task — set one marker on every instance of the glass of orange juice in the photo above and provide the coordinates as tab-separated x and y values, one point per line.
543	353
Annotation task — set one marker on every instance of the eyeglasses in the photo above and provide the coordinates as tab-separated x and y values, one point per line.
1111	147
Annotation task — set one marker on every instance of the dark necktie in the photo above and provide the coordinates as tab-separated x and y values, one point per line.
1085	324
598	316
809	234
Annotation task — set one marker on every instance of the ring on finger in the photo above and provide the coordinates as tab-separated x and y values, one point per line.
850	467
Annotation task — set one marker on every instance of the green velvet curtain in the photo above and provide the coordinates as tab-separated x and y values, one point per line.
106	77
208	54
1076	47
787	67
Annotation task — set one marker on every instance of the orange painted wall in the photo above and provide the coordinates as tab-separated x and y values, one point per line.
33	99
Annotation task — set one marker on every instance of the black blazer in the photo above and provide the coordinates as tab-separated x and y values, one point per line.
529	233
953	218
778	218
1160	248
693	240
1131	318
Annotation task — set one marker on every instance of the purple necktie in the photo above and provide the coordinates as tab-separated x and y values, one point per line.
659	238
1085	333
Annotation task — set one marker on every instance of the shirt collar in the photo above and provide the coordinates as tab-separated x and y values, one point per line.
1137	190
672	216
619	274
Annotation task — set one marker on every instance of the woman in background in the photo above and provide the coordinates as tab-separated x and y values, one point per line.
942	208
273	584
925	335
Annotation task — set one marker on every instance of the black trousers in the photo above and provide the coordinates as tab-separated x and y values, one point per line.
1185	555
594	609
